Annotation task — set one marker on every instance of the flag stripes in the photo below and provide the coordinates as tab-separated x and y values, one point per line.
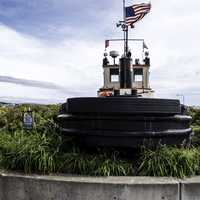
136	12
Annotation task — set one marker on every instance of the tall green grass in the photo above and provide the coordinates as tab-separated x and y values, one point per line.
98	164
43	150
170	161
29	152
33	152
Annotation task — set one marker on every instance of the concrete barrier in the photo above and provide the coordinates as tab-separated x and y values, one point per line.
190	188
34	187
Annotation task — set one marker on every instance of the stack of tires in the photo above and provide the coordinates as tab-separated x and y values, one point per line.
125	121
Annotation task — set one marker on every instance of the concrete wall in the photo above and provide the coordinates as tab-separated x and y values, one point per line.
190	189
20	187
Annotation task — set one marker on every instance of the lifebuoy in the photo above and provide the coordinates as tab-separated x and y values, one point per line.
106	94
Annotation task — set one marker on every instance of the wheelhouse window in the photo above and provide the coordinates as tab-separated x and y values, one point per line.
114	75
138	75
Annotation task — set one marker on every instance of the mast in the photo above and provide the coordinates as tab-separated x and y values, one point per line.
125	29
123	25
124	18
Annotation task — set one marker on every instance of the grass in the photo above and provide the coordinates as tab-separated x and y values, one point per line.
33	152
100	164
170	161
43	150
30	152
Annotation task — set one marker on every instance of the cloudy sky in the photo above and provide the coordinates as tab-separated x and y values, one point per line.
52	49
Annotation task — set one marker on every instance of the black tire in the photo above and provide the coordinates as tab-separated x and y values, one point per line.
129	123
129	139
123	105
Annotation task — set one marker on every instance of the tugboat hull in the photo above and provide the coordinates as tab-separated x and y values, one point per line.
125	121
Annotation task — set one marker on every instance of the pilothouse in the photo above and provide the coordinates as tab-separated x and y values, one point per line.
129	79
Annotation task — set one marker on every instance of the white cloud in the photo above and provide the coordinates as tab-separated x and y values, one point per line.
171	32
70	64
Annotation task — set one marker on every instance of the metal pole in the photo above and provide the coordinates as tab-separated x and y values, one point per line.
125	31
126	52
126	41
124	16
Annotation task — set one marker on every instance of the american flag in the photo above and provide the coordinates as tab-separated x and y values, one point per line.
136	12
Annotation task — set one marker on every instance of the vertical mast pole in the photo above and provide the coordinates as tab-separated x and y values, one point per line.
124	18
126	40
125	29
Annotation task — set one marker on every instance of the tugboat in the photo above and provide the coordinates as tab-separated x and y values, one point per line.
125	114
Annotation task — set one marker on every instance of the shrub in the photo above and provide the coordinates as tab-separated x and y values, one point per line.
195	114
170	161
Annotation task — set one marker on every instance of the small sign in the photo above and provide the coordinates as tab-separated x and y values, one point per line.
28	119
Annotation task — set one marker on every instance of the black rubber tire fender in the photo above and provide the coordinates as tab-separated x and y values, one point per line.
123	105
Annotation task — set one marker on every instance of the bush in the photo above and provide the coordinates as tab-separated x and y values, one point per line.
195	114
44	116
196	136
170	161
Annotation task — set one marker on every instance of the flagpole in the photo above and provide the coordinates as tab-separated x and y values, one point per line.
125	29
126	40
124	16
